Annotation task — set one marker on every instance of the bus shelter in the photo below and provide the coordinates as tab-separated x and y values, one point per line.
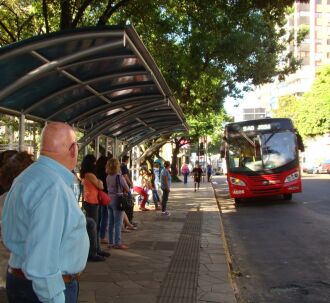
101	80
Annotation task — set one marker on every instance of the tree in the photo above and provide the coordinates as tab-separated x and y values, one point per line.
206	50
287	107
313	116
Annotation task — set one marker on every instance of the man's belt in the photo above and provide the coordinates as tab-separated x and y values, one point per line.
17	272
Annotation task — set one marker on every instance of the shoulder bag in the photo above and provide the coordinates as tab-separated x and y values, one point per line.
124	201
103	198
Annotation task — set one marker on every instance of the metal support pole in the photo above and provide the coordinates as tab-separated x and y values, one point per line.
21	132
106	146
97	147
115	148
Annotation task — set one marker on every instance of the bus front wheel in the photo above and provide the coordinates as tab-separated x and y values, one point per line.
238	200
287	197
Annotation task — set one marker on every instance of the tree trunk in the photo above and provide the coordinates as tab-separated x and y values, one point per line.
174	167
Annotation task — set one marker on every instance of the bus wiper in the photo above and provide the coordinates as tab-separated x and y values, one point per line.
271	136
246	138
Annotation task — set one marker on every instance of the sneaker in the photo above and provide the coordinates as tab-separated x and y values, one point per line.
144	209
96	258
158	208
165	213
121	246
103	253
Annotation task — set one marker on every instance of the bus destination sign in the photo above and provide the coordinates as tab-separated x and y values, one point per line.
249	128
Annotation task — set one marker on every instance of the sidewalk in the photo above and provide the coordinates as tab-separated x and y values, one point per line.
173	259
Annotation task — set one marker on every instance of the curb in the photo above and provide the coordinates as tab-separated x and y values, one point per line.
227	253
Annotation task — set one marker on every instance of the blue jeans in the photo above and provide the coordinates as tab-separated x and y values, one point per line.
155	197
94	244
103	220
185	178
20	290
165	199
115	222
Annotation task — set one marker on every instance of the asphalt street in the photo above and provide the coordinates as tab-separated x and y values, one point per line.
280	249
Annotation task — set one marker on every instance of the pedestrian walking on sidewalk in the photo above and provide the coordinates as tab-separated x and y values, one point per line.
165	181
43	226
209	172
197	175
185	171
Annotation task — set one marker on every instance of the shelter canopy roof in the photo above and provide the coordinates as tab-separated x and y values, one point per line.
101	79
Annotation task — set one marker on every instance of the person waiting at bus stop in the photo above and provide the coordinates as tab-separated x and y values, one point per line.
43	226
140	187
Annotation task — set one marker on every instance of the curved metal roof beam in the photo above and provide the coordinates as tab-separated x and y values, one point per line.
83	84
129	130
133	132
147	136
85	141
92	135
89	97
130	134
96	131
46	68
128	40
57	39
126	102
125	56
112	123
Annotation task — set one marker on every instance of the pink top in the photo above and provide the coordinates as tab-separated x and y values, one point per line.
90	192
185	169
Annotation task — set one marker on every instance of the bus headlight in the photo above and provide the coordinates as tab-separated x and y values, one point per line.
236	181
294	176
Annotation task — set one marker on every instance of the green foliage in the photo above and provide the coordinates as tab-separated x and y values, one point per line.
314	109
310	113
287	107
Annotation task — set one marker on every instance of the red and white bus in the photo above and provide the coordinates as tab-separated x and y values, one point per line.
262	158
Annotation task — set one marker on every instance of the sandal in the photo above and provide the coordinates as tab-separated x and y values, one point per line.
131	227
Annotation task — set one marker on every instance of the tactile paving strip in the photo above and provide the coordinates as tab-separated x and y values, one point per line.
181	281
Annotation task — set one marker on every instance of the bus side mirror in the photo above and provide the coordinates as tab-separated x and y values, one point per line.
222	149
300	142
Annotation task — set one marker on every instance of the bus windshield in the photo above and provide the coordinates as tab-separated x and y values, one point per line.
261	151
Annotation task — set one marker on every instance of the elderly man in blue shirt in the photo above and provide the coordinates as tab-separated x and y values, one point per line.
43	226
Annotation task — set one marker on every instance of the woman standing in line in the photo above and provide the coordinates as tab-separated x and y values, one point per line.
116	186
103	210
91	185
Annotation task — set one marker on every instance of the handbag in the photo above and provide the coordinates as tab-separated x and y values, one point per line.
124	201
103	198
